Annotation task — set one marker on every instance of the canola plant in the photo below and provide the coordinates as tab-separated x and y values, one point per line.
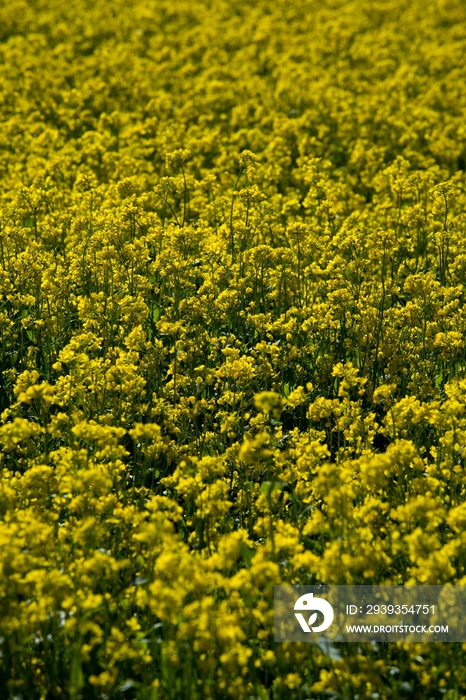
233	274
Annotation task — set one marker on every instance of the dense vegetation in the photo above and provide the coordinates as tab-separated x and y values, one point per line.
232	277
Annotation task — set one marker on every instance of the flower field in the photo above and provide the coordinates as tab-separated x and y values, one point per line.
232	326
